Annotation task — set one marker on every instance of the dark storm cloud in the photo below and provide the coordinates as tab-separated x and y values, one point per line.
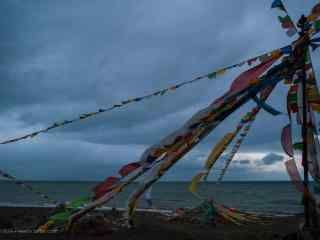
60	58
244	161
272	158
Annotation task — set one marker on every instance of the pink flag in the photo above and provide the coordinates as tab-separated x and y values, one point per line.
294	174
243	80
286	140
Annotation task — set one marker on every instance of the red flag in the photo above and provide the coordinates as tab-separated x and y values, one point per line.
286	22
104	187
243	80
316	9
127	169
286	140
294	174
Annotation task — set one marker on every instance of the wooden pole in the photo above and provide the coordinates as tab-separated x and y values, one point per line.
302	50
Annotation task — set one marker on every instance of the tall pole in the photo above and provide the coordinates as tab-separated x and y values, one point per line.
305	147
301	54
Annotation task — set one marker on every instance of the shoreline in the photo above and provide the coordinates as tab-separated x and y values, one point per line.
149	224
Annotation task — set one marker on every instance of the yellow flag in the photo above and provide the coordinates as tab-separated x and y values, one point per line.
254	81
315	107
313	94
221	71
218	149
131	208
312	17
276	53
194	182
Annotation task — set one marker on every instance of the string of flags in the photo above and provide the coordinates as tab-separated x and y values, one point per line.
286	21
212	75
28	187
236	148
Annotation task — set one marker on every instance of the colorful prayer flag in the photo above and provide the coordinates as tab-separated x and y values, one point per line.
105	186
278	4
129	168
294	174
286	22
243	80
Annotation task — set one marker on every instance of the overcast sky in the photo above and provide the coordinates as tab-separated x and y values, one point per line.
60	58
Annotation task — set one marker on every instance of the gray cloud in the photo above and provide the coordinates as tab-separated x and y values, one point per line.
61	58
272	158
244	162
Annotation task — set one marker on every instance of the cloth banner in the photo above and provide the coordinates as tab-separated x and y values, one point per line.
266	107
218	149
105	186
129	168
286	140
294	174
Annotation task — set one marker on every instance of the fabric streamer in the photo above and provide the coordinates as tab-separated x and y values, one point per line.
64	214
218	150
286	140
129	168
105	186
278	4
286	21
294	174
195	180
266	107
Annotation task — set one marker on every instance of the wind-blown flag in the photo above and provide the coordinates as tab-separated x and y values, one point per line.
262	104
286	22
195	180
292	99
278	4
315	13
105	186
294	174
129	168
218	149
245	78
286	140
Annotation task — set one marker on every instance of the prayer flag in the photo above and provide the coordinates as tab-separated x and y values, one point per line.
286	140
105	186
243	80
294	174
129	168
278	4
